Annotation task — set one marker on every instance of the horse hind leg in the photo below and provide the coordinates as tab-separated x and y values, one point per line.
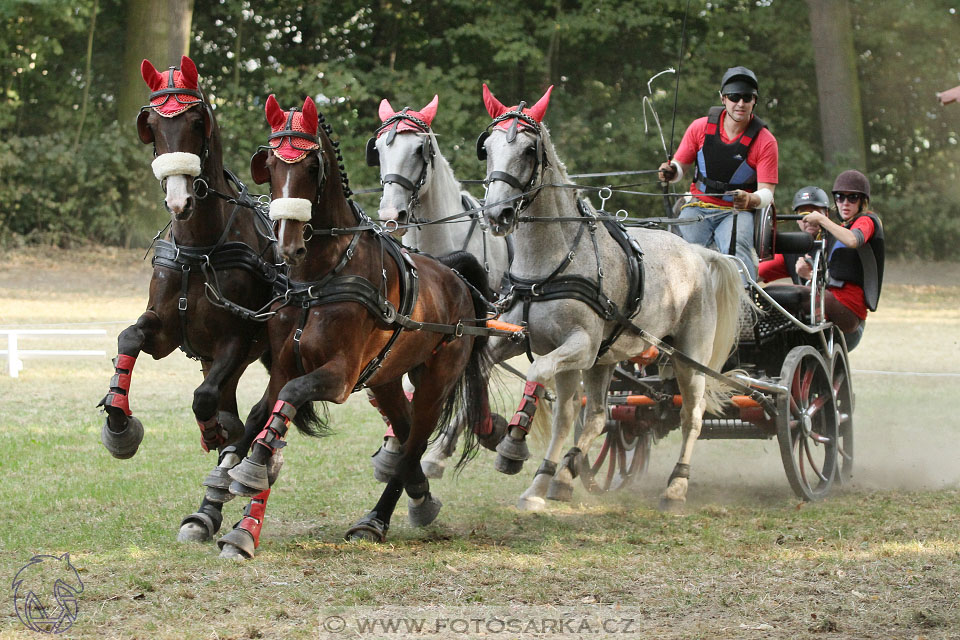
692	387
215	402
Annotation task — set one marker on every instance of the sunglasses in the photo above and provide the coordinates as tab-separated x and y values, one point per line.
737	97
849	197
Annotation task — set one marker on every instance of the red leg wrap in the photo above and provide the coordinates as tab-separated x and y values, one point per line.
252	521
118	396
272	435
532	392
212	435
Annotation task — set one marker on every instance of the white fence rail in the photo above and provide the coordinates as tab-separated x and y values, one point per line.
14	353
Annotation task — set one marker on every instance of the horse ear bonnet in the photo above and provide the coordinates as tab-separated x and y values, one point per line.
373	156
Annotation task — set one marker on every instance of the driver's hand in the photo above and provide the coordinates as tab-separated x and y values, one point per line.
742	199
804	270
667	172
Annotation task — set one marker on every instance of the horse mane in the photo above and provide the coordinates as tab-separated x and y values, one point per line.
214	168
337	170
442	171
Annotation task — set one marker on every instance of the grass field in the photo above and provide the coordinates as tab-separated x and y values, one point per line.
881	559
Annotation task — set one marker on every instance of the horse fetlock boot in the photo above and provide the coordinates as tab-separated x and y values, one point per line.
523	418
423	511
561	486
245	535
512	450
498	429
386	459
200	526
124	444
251	477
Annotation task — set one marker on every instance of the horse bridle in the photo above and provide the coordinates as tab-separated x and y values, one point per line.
175	91
426	151
540	156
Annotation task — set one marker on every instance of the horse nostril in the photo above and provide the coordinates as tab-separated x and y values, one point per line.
506	216
402	216
300	252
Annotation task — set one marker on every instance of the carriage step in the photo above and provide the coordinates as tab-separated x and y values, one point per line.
730	428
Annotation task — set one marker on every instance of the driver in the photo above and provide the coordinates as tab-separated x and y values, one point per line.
737	168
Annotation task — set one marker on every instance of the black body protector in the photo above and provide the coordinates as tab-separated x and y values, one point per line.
723	167
862	266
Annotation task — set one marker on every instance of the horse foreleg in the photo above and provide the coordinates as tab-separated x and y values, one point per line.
242	541
544	483
576	353
692	386
218	429
595	383
122	432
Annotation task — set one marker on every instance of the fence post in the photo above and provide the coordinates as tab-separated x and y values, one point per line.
13	360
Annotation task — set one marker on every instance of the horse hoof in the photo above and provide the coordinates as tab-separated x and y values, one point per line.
669	505
124	444
492	439
367	528
193	532
384	464
531	503
237	544
508	466
560	491
249	478
432	469
274	464
426	512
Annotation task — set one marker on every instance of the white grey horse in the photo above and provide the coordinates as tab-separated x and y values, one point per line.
572	284
420	187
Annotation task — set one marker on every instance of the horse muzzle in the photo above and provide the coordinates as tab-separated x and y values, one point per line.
502	220
394	220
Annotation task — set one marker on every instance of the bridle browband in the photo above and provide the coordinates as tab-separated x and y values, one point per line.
540	163
392	124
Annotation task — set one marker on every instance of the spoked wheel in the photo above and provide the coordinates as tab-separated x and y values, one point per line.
807	423
843	391
624	455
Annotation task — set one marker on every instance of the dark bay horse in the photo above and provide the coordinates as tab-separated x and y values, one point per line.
360	312
216	262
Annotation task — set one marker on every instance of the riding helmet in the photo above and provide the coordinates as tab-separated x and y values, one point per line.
811	195
739	80
852	181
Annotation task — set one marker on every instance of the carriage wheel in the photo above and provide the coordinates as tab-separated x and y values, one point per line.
843	390
624	455
807	423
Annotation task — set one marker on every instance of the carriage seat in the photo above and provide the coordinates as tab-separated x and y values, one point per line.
787	296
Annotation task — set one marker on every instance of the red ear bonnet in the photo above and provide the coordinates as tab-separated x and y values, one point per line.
290	148
427	114
495	108
185	77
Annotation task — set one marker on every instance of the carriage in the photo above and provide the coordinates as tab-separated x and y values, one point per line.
795	386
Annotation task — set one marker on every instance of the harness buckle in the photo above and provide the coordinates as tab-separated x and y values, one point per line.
297	334
533	290
458	329
182	304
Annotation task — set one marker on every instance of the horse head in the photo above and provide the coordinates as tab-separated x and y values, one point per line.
180	134
403	149
515	157
293	163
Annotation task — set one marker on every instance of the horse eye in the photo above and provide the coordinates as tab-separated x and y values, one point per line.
532	149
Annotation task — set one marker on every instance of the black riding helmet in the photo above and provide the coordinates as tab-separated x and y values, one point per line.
852	181
811	195
739	80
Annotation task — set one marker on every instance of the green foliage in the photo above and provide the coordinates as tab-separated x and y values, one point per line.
600	55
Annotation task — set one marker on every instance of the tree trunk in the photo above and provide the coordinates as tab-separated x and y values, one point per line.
158	30
838	89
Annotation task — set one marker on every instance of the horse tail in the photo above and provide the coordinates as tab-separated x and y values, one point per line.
312	423
732	300
469	401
